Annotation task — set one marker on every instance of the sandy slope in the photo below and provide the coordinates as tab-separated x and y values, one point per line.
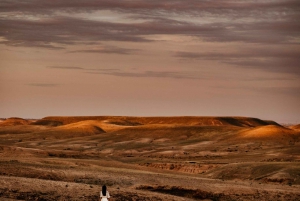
271	133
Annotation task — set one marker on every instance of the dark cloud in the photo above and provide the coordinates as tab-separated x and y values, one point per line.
154	74
261	32
259	52
108	50
63	31
42	85
68	31
56	32
105	69
228	21
290	66
268	58
166	5
293	91
66	67
197	75
23	43
274	90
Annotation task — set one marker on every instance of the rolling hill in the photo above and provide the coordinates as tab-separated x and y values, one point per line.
187	121
296	127
151	154
14	121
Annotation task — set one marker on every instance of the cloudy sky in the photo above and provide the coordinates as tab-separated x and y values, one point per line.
150	58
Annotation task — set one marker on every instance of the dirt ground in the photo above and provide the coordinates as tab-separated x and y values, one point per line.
65	158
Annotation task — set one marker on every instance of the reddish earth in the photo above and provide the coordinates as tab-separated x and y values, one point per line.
149	158
296	127
14	121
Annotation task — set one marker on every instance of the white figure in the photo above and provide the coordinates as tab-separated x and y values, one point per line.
104	194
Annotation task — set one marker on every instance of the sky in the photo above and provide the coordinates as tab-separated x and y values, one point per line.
150	58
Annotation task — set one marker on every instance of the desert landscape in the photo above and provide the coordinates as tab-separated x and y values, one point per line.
162	100
149	158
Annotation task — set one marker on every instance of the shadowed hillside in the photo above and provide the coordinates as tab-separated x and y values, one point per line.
187	121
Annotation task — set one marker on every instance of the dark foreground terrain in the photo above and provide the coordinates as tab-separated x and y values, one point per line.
149	158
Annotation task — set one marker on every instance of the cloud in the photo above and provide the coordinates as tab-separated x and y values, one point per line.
54	24
290	66
194	75
70	31
104	69
66	67
108	50
166	5
50	33
154	74
270	58
242	53
42	85
293	91
23	43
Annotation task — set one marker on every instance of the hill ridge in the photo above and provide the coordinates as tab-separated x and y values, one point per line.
14	121
295	127
178	120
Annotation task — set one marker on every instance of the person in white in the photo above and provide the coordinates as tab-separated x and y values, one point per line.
104	194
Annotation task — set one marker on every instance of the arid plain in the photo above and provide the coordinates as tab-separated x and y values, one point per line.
149	158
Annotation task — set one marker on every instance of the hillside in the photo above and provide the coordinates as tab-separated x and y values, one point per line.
296	127
149	158
187	121
14	121
269	131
